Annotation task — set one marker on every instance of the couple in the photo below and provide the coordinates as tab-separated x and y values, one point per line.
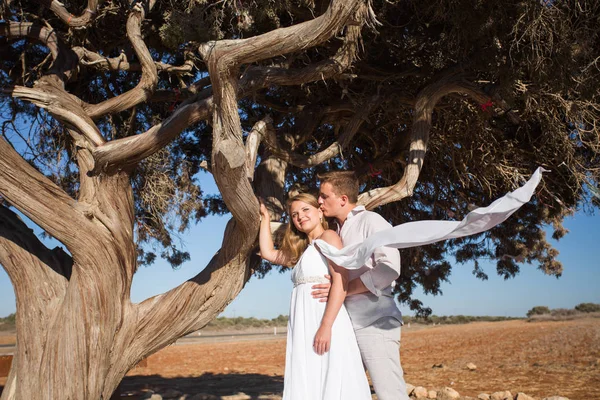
359	324
326	341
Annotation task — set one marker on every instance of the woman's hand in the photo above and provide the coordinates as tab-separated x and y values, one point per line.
264	211
322	341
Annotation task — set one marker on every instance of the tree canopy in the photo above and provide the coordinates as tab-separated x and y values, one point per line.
490	91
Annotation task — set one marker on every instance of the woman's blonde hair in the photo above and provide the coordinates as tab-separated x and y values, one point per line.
295	242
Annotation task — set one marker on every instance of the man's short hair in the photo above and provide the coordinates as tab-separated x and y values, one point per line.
342	183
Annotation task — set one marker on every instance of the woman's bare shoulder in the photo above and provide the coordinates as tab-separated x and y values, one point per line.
331	237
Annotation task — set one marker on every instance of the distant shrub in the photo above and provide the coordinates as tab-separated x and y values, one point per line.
588	307
8	323
563	312
453	319
239	323
538	310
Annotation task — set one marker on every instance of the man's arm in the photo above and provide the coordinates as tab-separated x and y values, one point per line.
386	270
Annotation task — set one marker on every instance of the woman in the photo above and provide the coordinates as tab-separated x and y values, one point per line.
322	357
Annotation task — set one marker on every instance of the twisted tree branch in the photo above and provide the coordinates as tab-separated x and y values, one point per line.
144	89
419	137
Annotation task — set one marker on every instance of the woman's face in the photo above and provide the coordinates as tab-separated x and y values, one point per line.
304	216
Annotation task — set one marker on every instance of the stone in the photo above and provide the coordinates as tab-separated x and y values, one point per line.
483	396
420	392
523	396
448	394
440	365
506	395
432	394
238	396
471	367
409	389
153	396
556	398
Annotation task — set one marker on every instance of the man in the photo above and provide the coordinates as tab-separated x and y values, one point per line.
375	317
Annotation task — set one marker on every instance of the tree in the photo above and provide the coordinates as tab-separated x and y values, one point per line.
588	307
538	310
110	109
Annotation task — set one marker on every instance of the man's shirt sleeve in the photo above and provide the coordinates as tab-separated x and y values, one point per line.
386	260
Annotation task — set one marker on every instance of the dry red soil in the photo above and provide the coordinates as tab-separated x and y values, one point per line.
538	358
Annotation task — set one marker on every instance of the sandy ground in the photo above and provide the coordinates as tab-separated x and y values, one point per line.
541	359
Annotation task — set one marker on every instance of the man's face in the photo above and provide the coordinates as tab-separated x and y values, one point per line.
330	203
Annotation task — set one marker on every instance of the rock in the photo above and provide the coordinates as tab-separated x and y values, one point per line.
523	396
239	396
409	389
420	392
556	398
471	367
432	394
153	396
483	396
269	397
440	365
448	394
506	395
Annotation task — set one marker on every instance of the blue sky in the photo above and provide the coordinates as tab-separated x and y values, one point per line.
466	295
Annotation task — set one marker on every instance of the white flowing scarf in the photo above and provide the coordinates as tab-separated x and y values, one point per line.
419	233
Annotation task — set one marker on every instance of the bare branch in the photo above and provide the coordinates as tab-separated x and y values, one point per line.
252	143
144	89
63	106
334	149
74	21
426	101
13	30
283	40
65	61
39	199
130	150
102	63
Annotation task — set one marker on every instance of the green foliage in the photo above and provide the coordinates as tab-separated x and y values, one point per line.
588	307
538	310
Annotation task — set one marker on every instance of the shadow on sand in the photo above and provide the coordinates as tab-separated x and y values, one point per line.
208	386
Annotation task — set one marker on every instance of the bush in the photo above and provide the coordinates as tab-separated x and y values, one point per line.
8	323
538	310
588	307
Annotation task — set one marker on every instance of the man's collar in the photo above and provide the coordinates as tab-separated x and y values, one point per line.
352	213
355	210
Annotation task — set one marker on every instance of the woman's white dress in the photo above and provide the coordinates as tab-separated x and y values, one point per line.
337	374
